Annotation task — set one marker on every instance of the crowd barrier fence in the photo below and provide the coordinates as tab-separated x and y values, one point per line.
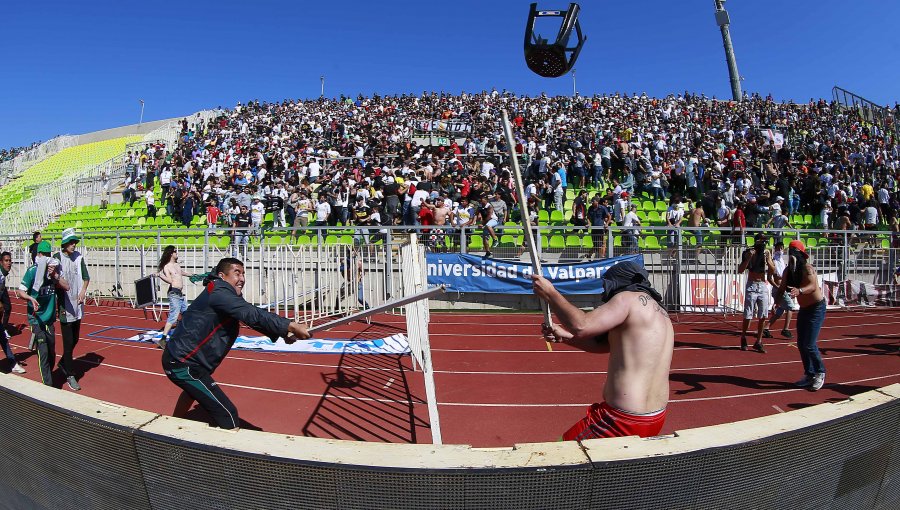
695	269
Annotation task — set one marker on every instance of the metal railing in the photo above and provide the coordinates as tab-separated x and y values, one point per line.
675	258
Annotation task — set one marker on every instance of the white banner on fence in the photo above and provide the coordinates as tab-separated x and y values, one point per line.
394	344
719	293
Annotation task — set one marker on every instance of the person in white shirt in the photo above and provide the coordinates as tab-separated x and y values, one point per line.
463	217
314	169
631	220
257	212
151	203
323	211
674	217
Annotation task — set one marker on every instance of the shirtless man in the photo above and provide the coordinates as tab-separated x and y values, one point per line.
800	282
696	219
641	340
760	266
442	218
170	272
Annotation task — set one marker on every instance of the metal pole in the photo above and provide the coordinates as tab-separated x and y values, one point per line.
724	21
141	121
322	79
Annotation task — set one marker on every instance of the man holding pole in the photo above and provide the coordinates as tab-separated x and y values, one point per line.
641	340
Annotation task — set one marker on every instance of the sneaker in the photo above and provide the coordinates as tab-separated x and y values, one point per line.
758	347
786	333
17	369
488	255
73	383
805	382
766	333
162	342
818	381
743	343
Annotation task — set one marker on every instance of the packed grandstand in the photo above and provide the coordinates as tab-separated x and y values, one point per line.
437	159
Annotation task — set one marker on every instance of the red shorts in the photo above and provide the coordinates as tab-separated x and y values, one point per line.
604	420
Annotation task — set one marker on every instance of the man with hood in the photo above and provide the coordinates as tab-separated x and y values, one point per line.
641	340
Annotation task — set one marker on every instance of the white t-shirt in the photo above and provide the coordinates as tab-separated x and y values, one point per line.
257	211
323	209
631	219
314	169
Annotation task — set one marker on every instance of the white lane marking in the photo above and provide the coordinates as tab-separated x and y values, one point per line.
688	369
673	401
780	410
388	384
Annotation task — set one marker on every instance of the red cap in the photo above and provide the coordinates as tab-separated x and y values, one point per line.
799	246
624	194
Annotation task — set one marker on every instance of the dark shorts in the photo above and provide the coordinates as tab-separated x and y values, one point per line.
604	420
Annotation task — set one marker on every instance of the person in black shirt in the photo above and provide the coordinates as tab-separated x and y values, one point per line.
32	249
600	218
241	229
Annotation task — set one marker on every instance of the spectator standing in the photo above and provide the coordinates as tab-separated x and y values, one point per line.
151	203
38	287
779	222
489	220
5	311
33	247
631	233
323	211
241	229
600	218
71	302
674	217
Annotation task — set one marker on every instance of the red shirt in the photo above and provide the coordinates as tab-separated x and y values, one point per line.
212	215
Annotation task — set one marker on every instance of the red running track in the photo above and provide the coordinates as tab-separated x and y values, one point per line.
497	384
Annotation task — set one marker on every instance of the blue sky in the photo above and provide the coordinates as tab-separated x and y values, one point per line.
77	67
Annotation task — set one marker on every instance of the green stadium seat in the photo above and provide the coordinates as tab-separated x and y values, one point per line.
573	241
651	243
557	218
557	242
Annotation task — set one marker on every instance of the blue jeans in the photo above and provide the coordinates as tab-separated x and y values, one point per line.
177	306
809	322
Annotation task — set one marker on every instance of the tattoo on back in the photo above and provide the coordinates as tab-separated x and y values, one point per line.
645	301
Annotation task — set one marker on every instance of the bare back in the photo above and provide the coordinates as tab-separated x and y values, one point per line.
640	356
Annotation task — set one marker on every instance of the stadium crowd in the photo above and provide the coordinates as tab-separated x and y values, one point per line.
13	152
357	162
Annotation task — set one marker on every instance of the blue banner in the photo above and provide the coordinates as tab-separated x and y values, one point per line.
471	273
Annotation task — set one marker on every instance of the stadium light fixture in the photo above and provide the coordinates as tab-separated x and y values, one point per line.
141	120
